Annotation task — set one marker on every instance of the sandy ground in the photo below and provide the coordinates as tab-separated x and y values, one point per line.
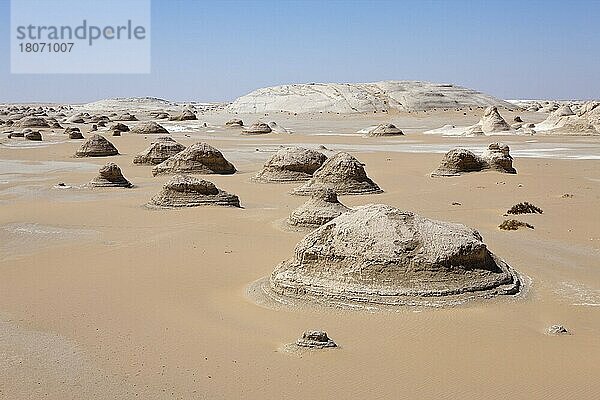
103	298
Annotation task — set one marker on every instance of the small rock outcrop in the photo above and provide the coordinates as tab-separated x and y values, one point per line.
35	136
73	132
322	207
160	150
557	330
96	146
110	175
459	161
290	164
119	127
513	225
234	123
149	128
524	208
188	191
257	128
344	174
315	340
384	130
199	158
382	255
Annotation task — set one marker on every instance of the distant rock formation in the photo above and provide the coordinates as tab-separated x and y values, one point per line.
31	122
565	121
96	146
35	136
160	150
188	191
492	121
149	128
199	158
73	132
344	174
257	128
322	207
234	123
361	97
383	130
110	175
186	115
459	161
290	164
382	255
513	225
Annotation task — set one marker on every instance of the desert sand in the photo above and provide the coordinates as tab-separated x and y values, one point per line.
104	297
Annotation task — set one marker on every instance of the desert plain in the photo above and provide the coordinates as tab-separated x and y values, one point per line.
103	297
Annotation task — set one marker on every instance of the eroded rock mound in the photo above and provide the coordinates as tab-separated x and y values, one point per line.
315	340
96	146
159	150
149	128
322	207
234	123
186	115
257	128
31	122
459	161
188	191
513	225
110	175
119	127
35	136
344	174
74	133
524	208
199	158
384	130
557	330
291	164
380	254
565	120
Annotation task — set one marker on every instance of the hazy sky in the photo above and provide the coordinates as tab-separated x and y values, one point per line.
219	50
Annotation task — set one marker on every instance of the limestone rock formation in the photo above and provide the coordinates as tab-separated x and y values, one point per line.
322	207
361	97
315	340
234	123
119	127
384	130
291	164
380	254
125	117
492	121
344	174
31	122
199	158
160	150
257	128
459	161
110	175
34	136
188	191
565	121
74	133
96	146
186	115
149	128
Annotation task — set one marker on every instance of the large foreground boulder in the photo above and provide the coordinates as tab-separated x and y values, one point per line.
149	128
291	164
459	161
96	146
199	158
322	207
188	191
344	174
159	150
380	254
110	175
